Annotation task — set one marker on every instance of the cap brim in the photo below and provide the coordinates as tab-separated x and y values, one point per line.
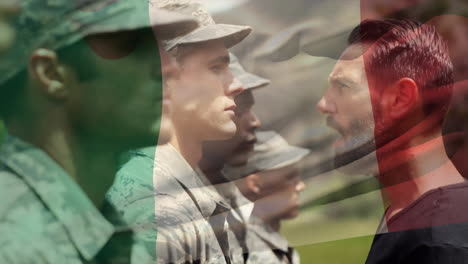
290	157
306	38
330	46
252	81
280	47
165	24
286	158
230	34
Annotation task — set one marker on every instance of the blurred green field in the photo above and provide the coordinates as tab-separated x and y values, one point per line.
318	242
335	232
349	251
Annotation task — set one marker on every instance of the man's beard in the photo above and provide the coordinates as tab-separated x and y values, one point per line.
356	154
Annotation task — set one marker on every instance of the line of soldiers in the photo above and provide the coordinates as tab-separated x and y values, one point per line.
83	103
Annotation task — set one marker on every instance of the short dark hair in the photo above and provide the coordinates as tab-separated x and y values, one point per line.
407	48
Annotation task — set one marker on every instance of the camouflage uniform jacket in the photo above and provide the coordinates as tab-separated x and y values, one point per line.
170	197
267	245
232	223
45	217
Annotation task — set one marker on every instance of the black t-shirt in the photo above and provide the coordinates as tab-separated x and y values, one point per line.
433	229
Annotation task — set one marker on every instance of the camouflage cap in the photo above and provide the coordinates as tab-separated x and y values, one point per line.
248	80
207	29
54	24
270	152
310	37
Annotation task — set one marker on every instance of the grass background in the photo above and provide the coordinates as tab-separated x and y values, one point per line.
349	251
339	231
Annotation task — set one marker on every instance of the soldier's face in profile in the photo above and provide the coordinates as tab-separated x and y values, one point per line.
247	122
235	151
202	96
124	100
347	102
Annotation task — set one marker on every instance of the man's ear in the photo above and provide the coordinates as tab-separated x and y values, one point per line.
401	98
48	74
253	184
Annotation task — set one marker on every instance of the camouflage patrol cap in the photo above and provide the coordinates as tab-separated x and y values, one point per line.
309	37
54	24
207	29
248	80
270	152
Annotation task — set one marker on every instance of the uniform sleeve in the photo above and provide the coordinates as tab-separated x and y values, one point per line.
177	234
16	218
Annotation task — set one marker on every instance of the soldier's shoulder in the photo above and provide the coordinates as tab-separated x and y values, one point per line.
171	210
14	192
22	221
18	245
133	180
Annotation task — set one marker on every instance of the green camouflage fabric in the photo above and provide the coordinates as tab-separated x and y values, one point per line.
54	24
169	196
46	218
132	196
268	246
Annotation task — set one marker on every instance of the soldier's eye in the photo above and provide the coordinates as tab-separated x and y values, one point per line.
218	68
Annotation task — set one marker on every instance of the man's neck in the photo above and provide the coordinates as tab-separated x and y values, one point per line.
426	167
267	216
188	147
212	166
91	163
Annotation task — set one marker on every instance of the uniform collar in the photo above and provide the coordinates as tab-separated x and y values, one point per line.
214	195
204	195
271	237
87	227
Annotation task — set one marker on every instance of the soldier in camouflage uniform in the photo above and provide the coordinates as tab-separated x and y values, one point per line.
202	102
271	180
234	151
69	94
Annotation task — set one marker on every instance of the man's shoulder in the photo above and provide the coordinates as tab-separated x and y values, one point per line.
138	170
16	195
25	222
439	242
19	248
439	207
133	180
